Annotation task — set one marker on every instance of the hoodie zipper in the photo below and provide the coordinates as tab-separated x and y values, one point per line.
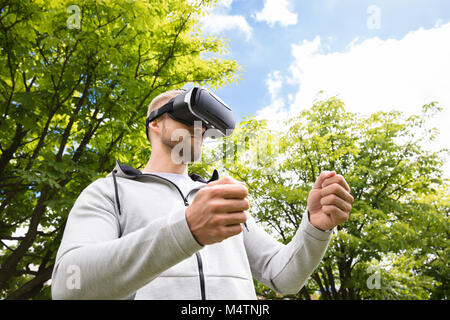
200	274
197	254
186	203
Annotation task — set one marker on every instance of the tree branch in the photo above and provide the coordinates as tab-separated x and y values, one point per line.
32	287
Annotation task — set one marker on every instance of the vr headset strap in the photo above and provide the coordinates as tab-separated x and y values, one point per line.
157	113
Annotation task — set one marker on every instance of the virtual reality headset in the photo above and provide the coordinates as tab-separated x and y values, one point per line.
198	104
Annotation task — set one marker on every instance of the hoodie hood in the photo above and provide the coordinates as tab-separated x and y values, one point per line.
126	171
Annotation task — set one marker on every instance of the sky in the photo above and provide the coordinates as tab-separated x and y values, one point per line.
376	55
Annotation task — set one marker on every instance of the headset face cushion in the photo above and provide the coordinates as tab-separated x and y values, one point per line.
187	119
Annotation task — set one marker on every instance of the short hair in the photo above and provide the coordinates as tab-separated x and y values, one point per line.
157	102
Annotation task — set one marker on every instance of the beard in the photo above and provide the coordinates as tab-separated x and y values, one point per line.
183	148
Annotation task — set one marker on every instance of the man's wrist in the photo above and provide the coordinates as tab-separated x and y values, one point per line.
309	220
312	230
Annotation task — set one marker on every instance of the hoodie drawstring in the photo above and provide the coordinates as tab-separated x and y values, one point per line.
116	191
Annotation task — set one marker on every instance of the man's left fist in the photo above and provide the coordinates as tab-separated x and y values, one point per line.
330	201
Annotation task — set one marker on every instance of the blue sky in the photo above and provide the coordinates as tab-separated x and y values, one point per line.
374	54
269	49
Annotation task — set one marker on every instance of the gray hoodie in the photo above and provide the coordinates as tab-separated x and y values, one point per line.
127	237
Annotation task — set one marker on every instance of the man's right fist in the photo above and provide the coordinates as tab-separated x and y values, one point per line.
218	211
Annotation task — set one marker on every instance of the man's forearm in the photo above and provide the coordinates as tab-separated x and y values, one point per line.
300	257
285	268
117	268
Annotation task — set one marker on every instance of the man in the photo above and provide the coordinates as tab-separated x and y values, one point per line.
162	234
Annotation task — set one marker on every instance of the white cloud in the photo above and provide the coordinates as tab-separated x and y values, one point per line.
224	3
277	11
275	110
377	74
374	74
218	23
274	83
219	20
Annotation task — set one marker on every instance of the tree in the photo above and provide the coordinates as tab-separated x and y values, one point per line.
75	83
395	245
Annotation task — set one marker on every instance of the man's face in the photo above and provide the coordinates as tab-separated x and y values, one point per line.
185	142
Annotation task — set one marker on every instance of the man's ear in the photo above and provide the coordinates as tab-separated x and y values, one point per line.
155	125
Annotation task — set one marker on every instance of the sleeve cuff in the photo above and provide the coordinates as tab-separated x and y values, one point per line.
184	236
312	231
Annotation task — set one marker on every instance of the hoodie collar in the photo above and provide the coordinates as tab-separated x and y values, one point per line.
123	170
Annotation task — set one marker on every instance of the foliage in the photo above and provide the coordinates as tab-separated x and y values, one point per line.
398	229
75	83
